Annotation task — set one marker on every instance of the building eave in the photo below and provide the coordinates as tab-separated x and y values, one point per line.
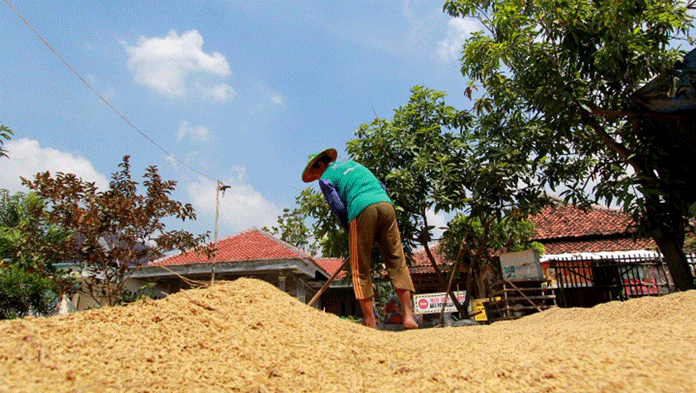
297	266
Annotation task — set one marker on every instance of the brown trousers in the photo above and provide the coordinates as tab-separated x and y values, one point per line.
377	223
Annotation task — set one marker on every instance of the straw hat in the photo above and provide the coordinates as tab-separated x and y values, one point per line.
313	158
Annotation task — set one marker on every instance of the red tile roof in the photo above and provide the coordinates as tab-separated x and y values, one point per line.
331	265
563	221
250	245
421	263
568	229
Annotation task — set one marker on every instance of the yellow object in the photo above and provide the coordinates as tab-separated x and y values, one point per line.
479	309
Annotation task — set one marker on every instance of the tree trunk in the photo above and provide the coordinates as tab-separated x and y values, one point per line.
676	261
469	285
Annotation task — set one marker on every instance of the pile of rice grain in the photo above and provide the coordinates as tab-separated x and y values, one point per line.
247	336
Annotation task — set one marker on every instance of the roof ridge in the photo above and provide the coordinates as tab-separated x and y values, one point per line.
596	208
434	243
233	235
284	244
211	242
558	201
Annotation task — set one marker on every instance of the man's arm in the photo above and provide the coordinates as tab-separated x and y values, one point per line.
336	204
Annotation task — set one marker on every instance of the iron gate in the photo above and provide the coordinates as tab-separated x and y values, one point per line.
585	282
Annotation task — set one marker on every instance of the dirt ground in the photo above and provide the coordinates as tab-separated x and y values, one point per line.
248	336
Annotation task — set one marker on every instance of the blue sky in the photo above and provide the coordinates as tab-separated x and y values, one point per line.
236	91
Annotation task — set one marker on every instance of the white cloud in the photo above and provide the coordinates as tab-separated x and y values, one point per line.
268	99
438	220
193	133
171	160
255	110
220	92
459	30
169	64
241	206
27	158
407	10
277	99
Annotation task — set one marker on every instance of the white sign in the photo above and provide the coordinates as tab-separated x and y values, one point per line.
521	265
431	303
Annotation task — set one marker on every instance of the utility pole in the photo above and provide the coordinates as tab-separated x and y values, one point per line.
218	188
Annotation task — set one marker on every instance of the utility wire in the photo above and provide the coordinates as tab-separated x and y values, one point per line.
102	97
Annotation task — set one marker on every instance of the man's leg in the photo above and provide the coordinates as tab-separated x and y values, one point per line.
405	297
389	242
361	237
368	312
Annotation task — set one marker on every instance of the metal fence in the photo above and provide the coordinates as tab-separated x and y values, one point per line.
585	282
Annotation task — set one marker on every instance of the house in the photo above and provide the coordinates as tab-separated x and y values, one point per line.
251	253
568	230
591	255
594	256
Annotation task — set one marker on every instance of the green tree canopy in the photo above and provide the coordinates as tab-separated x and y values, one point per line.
28	284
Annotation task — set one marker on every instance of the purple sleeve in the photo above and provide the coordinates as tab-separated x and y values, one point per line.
336	204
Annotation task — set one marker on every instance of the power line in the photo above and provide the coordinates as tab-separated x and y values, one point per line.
102	97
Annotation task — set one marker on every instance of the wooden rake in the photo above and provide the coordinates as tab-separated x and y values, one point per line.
327	283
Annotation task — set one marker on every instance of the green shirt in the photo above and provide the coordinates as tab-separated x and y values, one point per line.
357	186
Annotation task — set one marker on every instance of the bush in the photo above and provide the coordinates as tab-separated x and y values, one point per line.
25	293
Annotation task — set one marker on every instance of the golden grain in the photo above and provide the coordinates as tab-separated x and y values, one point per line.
248	336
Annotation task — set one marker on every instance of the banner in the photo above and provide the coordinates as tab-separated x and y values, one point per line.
431	303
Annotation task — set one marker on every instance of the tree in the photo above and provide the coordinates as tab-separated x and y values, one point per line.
293	230
27	284
469	242
552	71
4	134
323	235
109	233
23	292
417	155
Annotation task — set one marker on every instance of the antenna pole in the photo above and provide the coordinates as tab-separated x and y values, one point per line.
217	218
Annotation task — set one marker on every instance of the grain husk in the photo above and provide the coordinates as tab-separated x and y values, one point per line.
248	336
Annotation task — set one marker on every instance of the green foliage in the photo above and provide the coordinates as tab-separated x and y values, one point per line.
25	293
548	67
10	209
4	134
108	234
28	283
504	235
292	228
324	235
146	291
